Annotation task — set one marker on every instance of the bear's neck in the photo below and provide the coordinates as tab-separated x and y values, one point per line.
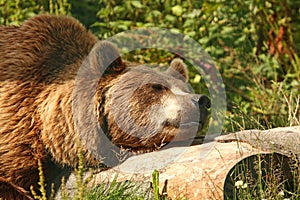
57	131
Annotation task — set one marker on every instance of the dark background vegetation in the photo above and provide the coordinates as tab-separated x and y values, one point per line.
255	45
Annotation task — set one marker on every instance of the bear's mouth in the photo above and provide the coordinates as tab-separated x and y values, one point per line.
189	124
187	131
182	125
185	125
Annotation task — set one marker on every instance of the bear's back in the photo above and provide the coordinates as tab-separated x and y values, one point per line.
44	52
43	49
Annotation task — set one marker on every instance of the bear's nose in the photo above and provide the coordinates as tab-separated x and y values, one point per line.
202	100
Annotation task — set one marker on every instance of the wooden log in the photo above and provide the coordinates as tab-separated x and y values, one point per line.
208	171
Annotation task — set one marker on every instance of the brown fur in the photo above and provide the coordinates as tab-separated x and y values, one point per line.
32	89
38	68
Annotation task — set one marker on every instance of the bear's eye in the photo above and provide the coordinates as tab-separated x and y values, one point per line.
157	87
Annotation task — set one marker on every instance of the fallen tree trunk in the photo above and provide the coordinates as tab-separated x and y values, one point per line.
212	170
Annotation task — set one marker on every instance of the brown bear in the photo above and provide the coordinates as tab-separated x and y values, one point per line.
59	85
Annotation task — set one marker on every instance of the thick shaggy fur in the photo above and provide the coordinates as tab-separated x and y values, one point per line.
38	60
138	108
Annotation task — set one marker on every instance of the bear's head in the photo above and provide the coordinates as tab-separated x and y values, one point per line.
140	108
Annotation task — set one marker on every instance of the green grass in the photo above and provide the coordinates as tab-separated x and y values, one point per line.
263	176
116	191
113	190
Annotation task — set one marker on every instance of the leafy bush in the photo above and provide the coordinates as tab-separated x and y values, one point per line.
253	44
15	12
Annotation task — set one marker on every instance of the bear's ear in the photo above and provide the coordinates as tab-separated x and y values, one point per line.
106	56
178	69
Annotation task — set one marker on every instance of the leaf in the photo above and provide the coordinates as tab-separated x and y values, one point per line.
197	78
170	18
136	4
177	10
155	184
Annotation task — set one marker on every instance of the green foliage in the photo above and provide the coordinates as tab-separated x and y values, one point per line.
107	191
85	11
15	12
116	191
263	176
155	185
42	186
253	44
81	182
59	7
